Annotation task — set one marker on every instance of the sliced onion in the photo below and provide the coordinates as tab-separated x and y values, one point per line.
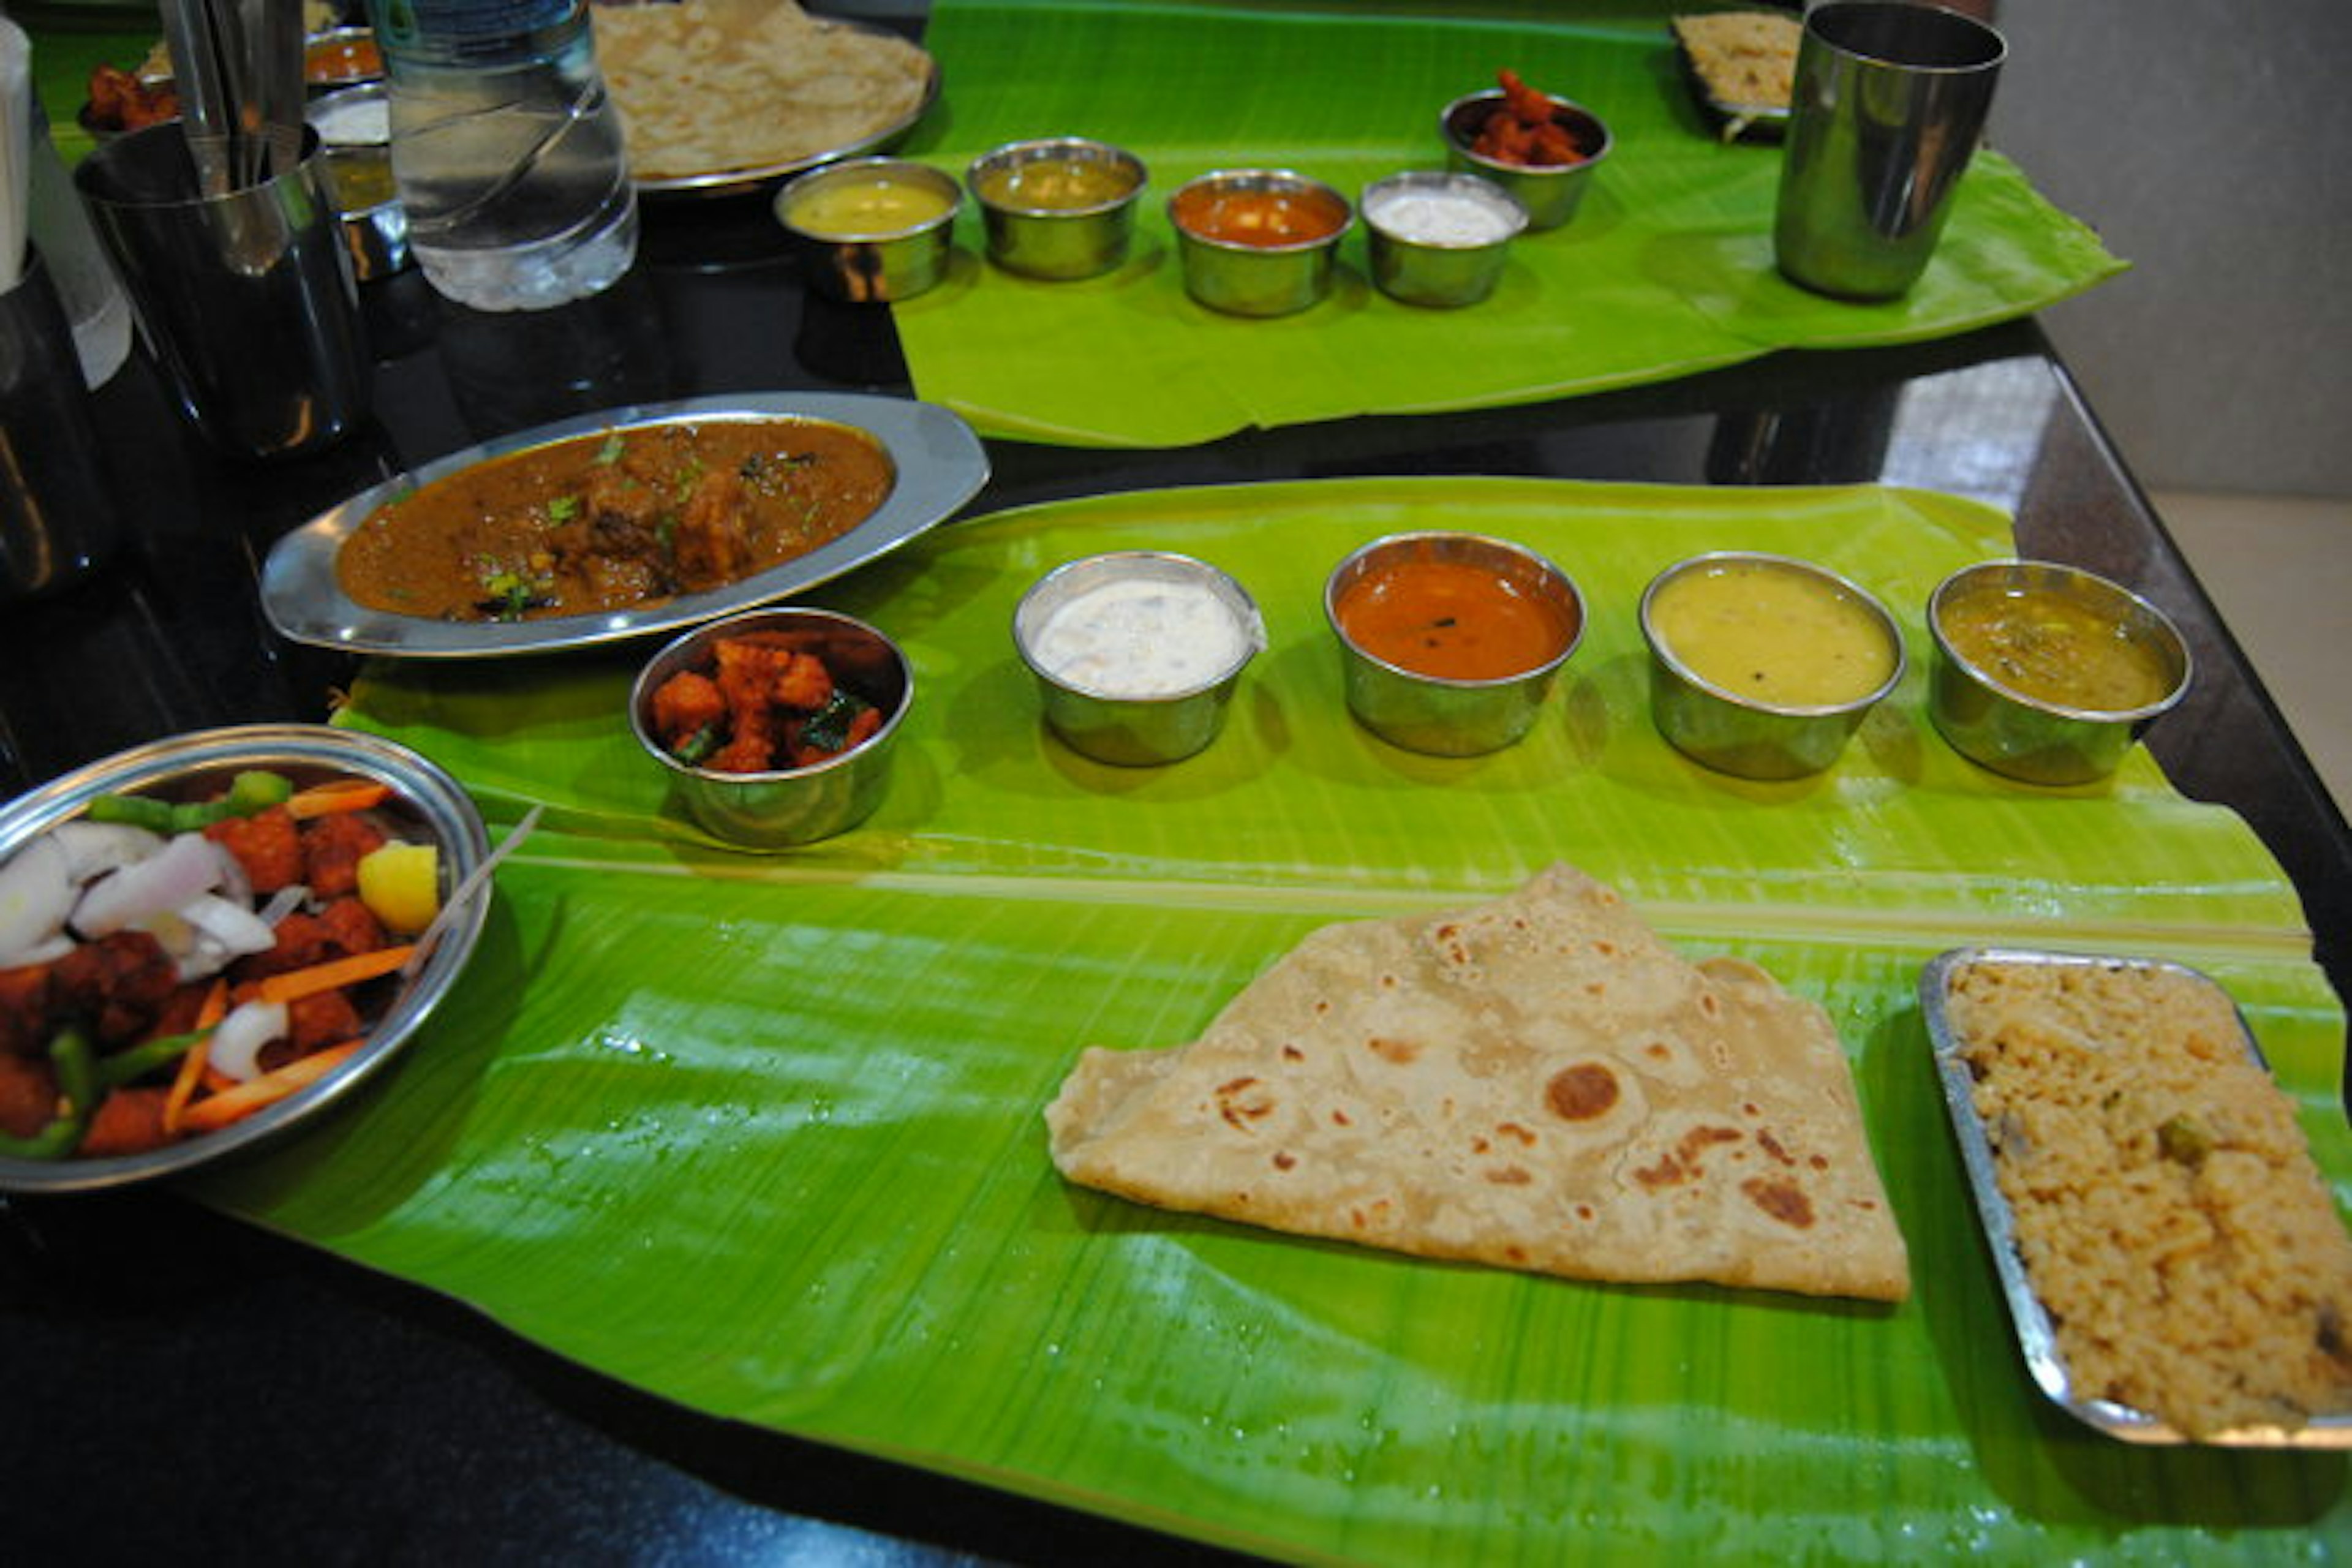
236	1044
283	902
94	848
217	930
230	923
234	883
36	895
48	951
183	869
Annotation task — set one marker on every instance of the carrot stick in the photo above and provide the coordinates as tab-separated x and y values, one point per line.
333	974
216	1112
191	1066
342	794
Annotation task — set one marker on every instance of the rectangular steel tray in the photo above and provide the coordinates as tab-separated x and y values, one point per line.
2035	1336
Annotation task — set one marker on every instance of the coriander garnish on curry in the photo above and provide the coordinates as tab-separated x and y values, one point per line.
602	521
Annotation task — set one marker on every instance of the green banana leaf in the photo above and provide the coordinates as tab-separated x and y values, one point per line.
1667	269
762	1134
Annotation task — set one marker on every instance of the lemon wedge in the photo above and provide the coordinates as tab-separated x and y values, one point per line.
401	885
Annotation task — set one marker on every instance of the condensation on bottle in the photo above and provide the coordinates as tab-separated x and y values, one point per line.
507	150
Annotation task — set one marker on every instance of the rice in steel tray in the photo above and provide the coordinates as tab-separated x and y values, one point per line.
1744	57
2166	1208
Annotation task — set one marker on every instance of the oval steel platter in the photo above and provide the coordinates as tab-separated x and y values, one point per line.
938	463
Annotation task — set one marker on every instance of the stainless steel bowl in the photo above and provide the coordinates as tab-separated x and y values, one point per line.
1141	719
199	766
1040	231
1732	731
1245	280
1439	240
1550	194
2033	738
1436	714
876	266
340	56
375	233
352	116
788	806
354	124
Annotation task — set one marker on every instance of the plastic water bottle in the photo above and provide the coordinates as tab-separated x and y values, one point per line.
507	150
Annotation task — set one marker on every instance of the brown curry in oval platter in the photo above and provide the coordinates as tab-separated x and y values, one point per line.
605	521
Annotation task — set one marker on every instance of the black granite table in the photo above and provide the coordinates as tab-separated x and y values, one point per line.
177	1387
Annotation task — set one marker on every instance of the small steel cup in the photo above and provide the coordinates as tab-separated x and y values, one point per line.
1124	729
1244	280
878	267
1732	733
341	57
1889	103
1422	266
375	226
1435	714
355	123
352	116
790	807
1549	194
2032	738
1039	232
246	300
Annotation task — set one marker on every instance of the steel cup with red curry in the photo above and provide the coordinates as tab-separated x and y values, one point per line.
605	521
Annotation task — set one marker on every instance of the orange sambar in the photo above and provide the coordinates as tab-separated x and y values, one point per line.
334	59
1267	218
1453	620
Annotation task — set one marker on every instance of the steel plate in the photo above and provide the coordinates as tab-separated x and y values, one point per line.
307	754
737	182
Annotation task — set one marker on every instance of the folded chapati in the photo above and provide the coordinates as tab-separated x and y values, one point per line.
1539	1082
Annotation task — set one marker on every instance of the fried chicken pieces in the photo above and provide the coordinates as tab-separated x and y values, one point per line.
764	707
1524	129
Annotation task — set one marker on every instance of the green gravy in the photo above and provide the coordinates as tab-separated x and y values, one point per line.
2055	649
